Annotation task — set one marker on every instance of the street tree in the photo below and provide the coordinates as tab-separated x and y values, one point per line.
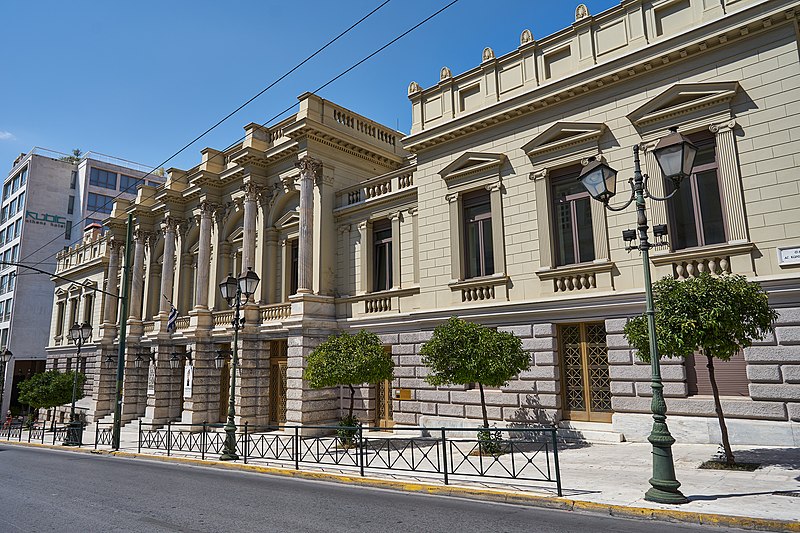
350	360
462	353
715	316
46	390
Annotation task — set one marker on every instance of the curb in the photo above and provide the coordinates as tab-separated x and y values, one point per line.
492	495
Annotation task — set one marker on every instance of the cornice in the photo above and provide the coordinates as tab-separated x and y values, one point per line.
690	44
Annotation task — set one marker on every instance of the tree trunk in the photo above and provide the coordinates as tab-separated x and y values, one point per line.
483	407
718	407
352	396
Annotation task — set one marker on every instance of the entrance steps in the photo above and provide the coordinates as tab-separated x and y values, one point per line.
592	432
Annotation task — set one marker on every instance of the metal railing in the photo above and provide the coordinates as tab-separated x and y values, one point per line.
527	453
41	433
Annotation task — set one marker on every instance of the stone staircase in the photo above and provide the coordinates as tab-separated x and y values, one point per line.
591	432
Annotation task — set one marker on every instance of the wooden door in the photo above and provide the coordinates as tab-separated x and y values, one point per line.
277	382
384	415
586	387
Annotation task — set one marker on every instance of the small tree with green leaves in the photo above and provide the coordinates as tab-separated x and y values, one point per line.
350	360
719	316
461	353
49	389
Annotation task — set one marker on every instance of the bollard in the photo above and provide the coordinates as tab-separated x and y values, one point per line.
555	460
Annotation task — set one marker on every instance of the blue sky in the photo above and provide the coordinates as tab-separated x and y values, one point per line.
138	80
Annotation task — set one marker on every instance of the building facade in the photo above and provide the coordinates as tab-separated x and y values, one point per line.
45	199
478	213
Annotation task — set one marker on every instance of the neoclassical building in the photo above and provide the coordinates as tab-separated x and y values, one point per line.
478	213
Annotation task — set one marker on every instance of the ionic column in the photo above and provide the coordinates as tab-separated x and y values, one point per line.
204	256
731	181
169	227
251	194
137	276
308	171
112	273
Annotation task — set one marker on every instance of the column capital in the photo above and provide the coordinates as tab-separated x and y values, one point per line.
252	191
142	235
309	167
493	187
393	216
170	224
726	126
115	245
344	228
451	197
209	208
413	211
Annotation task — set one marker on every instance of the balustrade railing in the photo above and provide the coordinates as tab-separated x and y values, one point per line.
276	312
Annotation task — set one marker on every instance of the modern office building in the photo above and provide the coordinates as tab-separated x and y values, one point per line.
478	213
45	199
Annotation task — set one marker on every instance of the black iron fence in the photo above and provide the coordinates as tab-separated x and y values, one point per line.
527	453
43	433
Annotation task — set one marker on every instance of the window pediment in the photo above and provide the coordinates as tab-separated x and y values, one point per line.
682	101
564	135
288	219
470	163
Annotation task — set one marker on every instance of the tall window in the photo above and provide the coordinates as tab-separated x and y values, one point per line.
695	212
294	254
478	251
68	230
129	183
99	203
6	191
572	218
103	178
71	205
382	255
73	179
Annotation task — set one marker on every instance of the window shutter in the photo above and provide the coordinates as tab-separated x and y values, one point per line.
731	376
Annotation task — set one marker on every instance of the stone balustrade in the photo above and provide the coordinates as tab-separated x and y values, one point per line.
275	312
379	187
381	304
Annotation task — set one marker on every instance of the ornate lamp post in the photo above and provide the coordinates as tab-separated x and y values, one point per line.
236	292
675	155
79	335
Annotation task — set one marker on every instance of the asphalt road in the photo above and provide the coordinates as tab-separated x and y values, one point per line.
51	490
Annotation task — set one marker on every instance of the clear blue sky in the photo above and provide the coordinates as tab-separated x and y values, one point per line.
138	80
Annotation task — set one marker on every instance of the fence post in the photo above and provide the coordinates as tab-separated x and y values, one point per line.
244	444
361	449
30	432
203	442
297	448
444	457
44	430
20	434
54	437
555	460
139	437
169	436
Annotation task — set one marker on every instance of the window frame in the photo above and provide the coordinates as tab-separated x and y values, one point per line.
382	248
471	200
559	177
700	140
95	178
107	203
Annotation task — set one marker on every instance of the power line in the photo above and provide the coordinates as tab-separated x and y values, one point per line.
332	80
226	117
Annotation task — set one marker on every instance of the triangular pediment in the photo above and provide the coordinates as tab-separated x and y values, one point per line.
683	99
236	234
471	163
60	292
289	218
564	135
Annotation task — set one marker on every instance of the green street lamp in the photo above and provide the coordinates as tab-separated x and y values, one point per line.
79	335
236	292
675	155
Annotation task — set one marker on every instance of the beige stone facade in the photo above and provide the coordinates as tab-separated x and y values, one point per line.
350	225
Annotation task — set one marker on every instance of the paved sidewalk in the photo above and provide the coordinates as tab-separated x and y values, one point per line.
615	475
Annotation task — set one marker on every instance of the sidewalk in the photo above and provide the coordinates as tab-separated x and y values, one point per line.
610	478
